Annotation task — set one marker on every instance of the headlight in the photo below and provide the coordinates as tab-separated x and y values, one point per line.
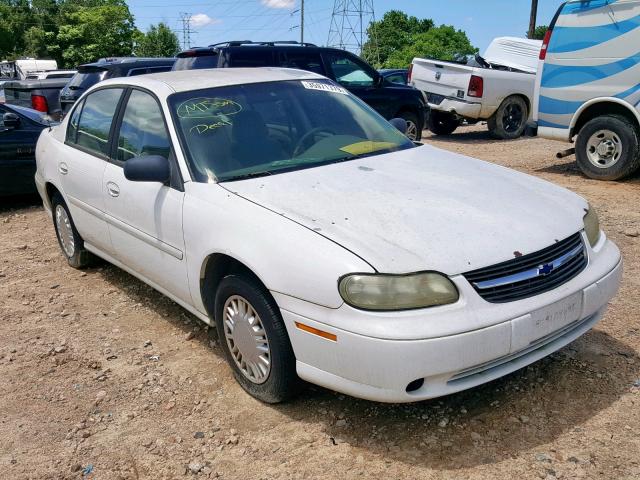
592	226
397	292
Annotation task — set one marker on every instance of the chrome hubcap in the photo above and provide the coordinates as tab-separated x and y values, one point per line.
65	231
247	339
412	130
604	148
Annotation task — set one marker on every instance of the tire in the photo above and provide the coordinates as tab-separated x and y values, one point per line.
73	251
443	123
510	120
277	382
620	154
414	132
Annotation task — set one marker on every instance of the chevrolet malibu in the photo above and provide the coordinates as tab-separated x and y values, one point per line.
321	243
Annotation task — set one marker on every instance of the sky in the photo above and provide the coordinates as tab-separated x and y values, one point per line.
222	20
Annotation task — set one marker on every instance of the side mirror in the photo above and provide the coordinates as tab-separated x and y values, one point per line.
11	120
400	124
147	168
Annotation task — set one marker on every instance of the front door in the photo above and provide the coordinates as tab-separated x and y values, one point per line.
145	218
17	155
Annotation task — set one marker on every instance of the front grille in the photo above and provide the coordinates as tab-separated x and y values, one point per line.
434	98
530	274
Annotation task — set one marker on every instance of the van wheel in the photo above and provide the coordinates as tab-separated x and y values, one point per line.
69	239
509	120
443	123
254	339
607	148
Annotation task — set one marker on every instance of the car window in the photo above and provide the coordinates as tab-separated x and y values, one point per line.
239	131
347	72
396	78
96	118
251	57
72	126
303	61
142	131
206	60
145	70
84	80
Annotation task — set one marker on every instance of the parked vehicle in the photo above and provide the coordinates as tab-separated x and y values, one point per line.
395	75
40	95
587	86
21	69
389	99
318	239
51	74
91	73
19	131
497	88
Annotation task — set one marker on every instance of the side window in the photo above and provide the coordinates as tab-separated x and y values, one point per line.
347	72
142	131
251	57
303	61
72	126
96	118
397	78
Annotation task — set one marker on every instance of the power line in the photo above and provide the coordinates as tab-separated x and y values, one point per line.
185	18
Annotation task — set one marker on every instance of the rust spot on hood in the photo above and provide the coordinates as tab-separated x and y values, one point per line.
517	254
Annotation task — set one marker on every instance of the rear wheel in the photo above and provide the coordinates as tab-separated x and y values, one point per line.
69	239
607	148
254	339
509	121
443	123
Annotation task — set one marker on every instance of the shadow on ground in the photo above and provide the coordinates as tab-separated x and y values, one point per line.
474	136
8	204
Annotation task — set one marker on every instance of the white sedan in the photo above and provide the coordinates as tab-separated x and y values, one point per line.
321	243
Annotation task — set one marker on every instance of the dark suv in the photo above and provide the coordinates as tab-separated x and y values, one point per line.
91	73
387	98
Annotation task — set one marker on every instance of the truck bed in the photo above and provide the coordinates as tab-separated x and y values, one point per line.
20	92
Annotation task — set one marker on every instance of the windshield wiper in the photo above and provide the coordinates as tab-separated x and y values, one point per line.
244	176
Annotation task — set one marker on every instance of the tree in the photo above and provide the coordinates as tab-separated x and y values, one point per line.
159	41
539	32
393	32
443	42
93	29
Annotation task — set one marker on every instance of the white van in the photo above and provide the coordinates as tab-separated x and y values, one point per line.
588	85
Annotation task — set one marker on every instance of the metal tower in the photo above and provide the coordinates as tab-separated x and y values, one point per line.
185	18
349	22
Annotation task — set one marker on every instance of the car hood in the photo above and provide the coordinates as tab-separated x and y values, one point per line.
422	209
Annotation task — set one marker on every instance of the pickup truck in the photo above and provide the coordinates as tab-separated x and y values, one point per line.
40	95
498	88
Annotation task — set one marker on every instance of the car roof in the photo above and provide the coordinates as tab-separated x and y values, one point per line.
130	62
186	80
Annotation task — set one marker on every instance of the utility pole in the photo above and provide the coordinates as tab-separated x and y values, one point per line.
301	21
532	19
349	22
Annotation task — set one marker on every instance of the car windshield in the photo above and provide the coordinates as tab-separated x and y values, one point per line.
84	80
243	131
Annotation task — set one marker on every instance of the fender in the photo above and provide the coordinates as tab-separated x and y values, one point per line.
593	101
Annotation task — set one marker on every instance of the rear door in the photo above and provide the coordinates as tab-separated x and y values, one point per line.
145	218
82	167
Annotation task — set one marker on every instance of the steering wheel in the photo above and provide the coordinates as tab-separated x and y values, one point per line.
300	146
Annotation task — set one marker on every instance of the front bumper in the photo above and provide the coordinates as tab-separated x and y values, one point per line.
382	369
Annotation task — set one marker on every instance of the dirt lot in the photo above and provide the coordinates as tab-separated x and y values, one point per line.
102	377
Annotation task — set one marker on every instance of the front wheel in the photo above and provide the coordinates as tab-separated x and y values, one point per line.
413	133
254	339
69	239
607	148
443	123
509	121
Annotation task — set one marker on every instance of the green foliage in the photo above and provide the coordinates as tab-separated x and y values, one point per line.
69	31
443	43
159	41
539	32
393	32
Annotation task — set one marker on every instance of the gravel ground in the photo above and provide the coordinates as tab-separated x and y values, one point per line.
101	377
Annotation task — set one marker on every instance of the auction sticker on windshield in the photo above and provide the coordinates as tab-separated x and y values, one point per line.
325	87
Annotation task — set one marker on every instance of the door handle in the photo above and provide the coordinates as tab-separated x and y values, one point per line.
113	189
62	168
